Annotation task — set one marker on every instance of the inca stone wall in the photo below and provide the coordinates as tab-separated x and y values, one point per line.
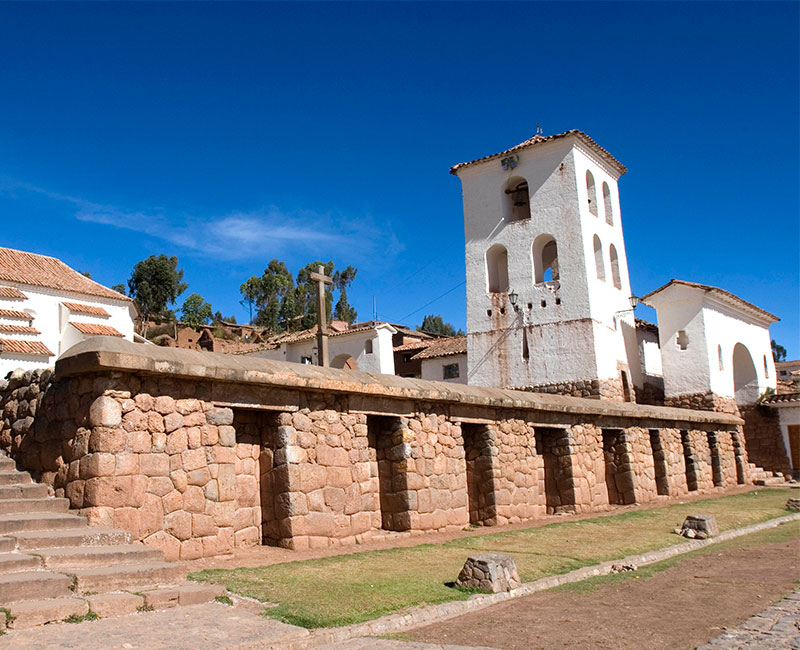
199	454
764	440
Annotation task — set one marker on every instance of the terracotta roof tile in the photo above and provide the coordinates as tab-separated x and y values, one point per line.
781	398
18	329
35	348
93	329
86	309
16	315
414	345
726	296
12	294
540	139
444	348
49	272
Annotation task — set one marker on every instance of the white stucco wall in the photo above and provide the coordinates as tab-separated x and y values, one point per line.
433	369
380	360
709	323
52	319
788	415
555	173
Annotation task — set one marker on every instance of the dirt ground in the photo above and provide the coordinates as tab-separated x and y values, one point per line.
680	607
265	555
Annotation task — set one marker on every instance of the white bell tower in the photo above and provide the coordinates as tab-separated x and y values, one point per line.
548	295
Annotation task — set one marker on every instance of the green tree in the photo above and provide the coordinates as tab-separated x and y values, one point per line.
196	311
778	351
250	291
120	288
341	280
219	318
306	295
434	324
155	283
272	288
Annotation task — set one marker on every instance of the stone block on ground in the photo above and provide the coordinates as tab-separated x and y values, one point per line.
493	572
114	604
793	504
699	526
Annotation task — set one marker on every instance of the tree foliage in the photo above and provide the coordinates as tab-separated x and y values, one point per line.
341	280
434	324
778	351
155	283
196	311
120	288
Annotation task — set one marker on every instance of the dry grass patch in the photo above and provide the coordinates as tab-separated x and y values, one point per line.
345	589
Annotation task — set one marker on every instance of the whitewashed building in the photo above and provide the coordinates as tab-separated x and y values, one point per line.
46	307
445	359
714	345
548	295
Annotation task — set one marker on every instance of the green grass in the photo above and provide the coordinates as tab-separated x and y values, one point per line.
346	589
225	600
88	616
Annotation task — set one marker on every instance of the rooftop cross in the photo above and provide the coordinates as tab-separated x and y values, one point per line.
322	326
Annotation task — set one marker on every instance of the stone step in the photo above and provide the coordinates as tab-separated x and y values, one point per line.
6	464
30	613
185	593
38	521
7	544
10	562
84	557
14	477
774	480
84	536
47	504
24	491
31	585
126	576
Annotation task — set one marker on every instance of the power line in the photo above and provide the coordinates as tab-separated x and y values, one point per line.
460	284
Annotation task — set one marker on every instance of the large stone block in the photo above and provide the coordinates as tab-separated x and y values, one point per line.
105	412
492	572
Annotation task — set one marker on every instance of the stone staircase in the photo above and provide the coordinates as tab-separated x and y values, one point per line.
55	567
762	476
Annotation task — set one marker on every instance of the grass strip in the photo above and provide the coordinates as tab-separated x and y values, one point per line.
345	589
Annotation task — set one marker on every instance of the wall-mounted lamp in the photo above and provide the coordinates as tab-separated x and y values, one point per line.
512	298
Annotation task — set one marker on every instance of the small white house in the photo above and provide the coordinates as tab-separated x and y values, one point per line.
787	406
368	348
445	360
46	307
712	342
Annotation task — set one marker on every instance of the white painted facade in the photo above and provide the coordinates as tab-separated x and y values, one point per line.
434	369
577	327
710	326
54	322
370	348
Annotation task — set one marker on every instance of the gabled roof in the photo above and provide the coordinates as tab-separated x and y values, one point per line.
541	139
443	348
721	294
42	271
95	329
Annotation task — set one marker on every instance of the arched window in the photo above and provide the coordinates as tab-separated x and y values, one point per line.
612	254
517	200
591	193
745	379
598	259
368	346
545	259
497	269
721	361
607	204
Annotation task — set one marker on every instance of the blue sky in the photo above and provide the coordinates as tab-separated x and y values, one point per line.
230	134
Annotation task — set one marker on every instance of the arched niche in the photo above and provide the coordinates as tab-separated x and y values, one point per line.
545	259
745	378
497	269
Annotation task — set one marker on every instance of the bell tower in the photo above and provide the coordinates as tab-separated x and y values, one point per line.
548	295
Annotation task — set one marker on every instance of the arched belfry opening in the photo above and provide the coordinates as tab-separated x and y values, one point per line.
745	378
591	192
599	265
497	269
614	260
607	204
545	259
517	199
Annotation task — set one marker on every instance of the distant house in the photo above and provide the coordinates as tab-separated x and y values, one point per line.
445	359
46	307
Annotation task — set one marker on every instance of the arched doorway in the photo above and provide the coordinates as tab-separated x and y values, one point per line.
345	362
745	379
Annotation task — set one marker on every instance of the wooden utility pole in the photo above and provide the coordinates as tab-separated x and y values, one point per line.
322	326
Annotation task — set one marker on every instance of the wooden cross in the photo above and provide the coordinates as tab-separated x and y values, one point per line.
322	326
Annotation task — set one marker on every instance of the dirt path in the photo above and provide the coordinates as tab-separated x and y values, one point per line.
681	607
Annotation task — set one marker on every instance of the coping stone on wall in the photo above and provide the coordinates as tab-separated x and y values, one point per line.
103	353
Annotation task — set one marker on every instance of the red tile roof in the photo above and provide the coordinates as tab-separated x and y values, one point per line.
18	329
36	348
414	345
43	271
782	398
93	329
725	296
17	315
443	348
541	139
86	309
12	294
